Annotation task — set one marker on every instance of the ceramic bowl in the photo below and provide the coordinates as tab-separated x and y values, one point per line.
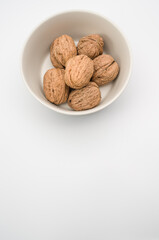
36	60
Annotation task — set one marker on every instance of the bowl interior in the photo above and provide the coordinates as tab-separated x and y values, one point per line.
36	59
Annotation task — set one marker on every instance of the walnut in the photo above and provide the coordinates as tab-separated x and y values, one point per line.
55	89
105	69
62	49
85	98
92	46
79	71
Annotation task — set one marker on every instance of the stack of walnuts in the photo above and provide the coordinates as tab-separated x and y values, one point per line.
78	72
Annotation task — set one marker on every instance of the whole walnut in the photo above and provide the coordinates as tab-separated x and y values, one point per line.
62	49
92	46
85	98
55	89
105	69
79	71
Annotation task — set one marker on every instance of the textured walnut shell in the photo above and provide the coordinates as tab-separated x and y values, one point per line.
55	89
92	46
105	69
79	71
85	98
62	49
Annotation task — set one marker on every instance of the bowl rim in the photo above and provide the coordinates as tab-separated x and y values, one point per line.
63	111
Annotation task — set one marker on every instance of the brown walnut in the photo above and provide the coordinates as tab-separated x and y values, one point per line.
85	98
91	45
62	49
79	71
55	89
106	69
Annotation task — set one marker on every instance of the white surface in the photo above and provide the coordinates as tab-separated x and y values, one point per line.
80	178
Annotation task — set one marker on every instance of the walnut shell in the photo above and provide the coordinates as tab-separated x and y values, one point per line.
92	46
62	49
79	71
85	98
55	89
105	69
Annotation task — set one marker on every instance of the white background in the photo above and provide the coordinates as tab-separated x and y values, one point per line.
94	177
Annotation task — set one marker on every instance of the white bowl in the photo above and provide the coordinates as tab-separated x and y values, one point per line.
36	59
